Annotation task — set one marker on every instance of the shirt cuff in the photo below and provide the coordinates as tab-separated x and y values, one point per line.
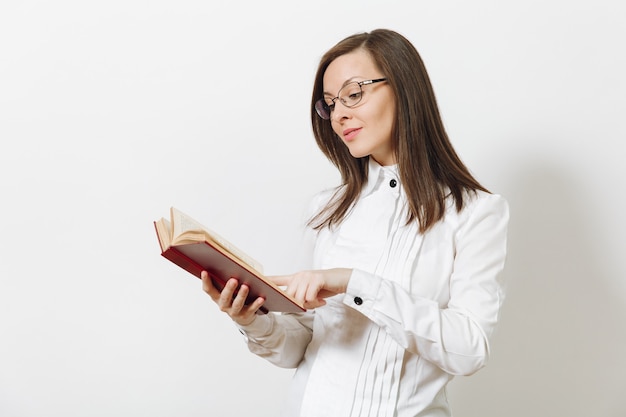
260	326
362	291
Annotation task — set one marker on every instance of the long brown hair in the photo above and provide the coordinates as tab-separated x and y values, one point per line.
428	166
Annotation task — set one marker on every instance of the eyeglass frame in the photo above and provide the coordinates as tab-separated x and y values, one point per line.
329	108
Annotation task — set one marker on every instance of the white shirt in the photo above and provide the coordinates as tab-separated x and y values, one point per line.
419	308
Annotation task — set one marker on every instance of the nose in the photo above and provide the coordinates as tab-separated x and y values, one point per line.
340	112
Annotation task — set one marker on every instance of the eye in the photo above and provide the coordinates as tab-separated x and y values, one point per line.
351	94
328	105
355	95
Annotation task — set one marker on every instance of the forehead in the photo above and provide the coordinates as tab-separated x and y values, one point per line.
357	64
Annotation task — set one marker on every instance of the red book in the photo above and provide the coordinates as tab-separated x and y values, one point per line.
195	248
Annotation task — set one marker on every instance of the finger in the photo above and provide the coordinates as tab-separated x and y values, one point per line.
228	294
208	287
300	292
240	300
313	292
281	280
248	314
256	305
309	305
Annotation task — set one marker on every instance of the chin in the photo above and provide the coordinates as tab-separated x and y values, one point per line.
358	154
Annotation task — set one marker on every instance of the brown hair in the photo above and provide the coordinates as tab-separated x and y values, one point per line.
428	166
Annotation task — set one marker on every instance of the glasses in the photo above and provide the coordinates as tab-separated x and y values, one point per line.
350	95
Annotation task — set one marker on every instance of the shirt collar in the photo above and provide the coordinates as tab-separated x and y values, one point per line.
378	174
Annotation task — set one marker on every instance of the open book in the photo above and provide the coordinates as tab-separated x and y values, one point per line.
195	248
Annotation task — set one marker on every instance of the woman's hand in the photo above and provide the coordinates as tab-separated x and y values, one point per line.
311	287
231	301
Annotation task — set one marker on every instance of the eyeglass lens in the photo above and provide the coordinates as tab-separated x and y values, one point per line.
350	95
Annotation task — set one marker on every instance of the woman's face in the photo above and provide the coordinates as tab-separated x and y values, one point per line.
365	128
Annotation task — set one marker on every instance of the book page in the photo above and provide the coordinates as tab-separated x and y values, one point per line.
164	231
184	225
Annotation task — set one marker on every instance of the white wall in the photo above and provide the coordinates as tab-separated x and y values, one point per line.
110	112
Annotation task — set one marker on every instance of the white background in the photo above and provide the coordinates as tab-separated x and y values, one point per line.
111	112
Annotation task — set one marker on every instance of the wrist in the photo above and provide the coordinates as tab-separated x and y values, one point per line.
344	275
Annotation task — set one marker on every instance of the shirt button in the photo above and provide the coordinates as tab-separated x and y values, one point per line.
358	301
393	183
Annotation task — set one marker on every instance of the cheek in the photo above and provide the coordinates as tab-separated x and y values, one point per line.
383	120
386	119
336	128
387	109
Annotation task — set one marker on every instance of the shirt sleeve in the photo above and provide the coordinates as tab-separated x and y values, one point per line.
456	337
282	339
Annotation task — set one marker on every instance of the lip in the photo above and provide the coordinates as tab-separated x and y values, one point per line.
350	134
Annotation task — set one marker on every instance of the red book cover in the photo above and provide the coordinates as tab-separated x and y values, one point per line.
221	266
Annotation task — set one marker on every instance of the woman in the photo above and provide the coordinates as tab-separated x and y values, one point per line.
406	286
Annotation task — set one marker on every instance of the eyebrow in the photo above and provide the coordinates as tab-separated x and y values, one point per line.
346	82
